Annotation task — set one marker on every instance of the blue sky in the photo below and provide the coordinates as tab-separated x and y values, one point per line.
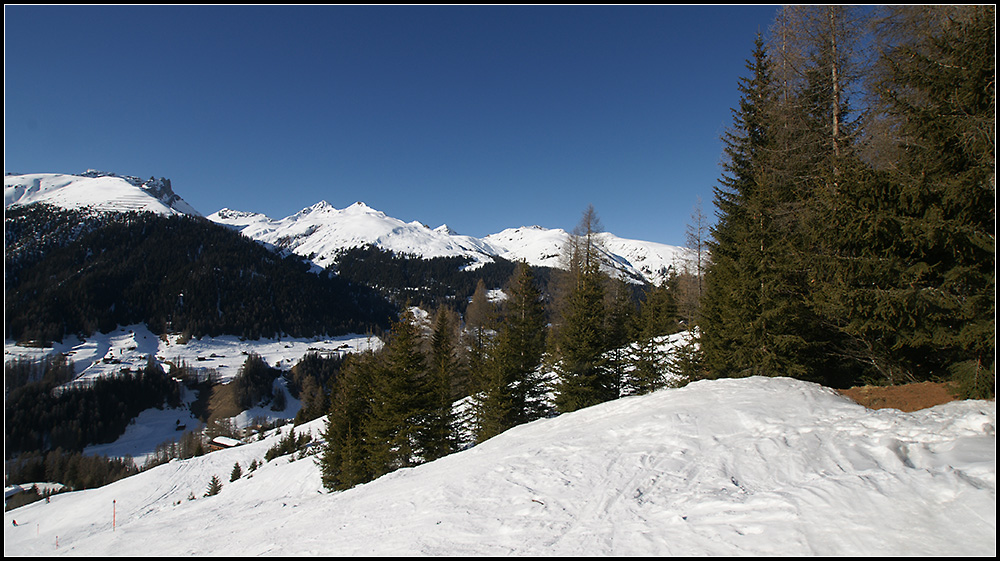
481	117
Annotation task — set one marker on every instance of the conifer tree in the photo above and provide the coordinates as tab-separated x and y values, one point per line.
394	432
509	390
580	339
657	317
443	363
214	486
522	342
344	460
690	286
492	400
620	312
480	324
915	286
734	331
236	473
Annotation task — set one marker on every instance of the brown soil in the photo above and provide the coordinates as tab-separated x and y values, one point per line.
908	397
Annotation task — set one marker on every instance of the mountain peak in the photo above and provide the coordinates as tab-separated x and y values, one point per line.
322	232
96	190
360	206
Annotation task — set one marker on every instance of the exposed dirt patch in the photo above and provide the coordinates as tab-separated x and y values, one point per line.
908	397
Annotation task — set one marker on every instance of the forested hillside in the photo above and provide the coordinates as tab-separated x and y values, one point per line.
69	272
575	339
427	282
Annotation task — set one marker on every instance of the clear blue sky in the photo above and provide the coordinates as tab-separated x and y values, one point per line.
481	117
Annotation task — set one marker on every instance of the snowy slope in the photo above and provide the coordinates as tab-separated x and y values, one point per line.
756	466
127	347
95	191
320	232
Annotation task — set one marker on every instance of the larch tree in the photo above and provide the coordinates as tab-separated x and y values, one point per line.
579	337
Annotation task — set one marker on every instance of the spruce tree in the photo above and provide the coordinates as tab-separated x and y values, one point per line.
492	401
510	390
395	430
620	311
650	363
214	486
921	294
344	460
734	333
439	437
522	340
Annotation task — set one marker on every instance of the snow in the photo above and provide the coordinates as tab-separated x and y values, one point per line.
753	466
128	346
103	193
150	428
321	232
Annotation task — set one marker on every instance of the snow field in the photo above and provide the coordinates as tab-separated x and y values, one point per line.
756	466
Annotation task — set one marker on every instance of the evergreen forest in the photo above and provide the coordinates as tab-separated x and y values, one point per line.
855	240
503	359
69	272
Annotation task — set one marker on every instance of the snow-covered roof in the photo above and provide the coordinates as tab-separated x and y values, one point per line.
226	441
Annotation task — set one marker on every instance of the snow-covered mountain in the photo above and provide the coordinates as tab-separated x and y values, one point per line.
321	231
734	467
95	190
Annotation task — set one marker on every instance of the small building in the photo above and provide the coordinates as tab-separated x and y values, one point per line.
223	442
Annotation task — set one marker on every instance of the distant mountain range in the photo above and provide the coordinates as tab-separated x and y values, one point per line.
321	232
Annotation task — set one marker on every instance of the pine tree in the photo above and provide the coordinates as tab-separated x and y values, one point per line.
236	473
